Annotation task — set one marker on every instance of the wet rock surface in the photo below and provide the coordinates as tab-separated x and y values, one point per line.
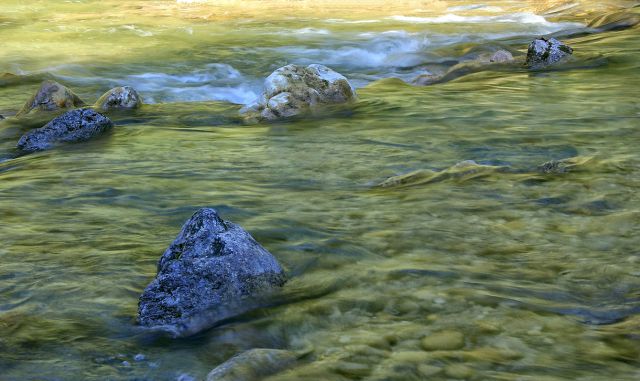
119	98
293	90
543	52
51	96
72	127
213	270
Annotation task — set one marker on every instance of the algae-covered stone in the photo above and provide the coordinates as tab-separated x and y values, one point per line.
544	52
71	127
51	96
212	271
293	90
119	98
443	341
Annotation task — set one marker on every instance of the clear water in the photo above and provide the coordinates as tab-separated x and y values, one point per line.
540	274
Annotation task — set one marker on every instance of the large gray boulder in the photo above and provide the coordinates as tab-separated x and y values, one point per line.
293	90
71	127
119	98
544	52
212	271
51	96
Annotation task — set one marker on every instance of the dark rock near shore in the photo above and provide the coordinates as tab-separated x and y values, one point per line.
293	90
51	96
71	127
544	52
1	117
119	98
212	271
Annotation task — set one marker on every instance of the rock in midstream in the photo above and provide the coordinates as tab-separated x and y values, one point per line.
544	52
212	271
51	96
71	127
119	98
483	62
293	90
255	364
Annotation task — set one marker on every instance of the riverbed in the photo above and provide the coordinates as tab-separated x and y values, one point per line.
522	275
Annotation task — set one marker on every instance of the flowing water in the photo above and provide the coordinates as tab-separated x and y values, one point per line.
502	275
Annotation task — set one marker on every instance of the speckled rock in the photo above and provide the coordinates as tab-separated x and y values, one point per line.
212	271
119	98
51	96
293	90
71	127
544	52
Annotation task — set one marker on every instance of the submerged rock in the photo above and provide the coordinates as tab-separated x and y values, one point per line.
119	98
254	364
615	21
1	117
563	165
481	63
462	171
212	271
293	90
71	127
51	96
544	52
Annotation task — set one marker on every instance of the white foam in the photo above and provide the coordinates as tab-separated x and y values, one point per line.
452	18
215	82
475	7
138	31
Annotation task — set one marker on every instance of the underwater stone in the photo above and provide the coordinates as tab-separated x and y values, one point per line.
254	364
543	52
212	271
293	90
443	341
51	96
118	98
501	56
71	127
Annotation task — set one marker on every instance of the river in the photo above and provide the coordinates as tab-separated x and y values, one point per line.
515	275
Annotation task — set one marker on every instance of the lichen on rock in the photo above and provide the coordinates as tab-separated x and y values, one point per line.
544	52
293	90
51	96
119	98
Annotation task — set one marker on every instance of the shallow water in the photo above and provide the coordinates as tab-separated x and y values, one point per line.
540	273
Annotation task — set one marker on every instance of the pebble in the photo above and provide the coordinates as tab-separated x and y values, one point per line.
139	357
443	341
458	371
